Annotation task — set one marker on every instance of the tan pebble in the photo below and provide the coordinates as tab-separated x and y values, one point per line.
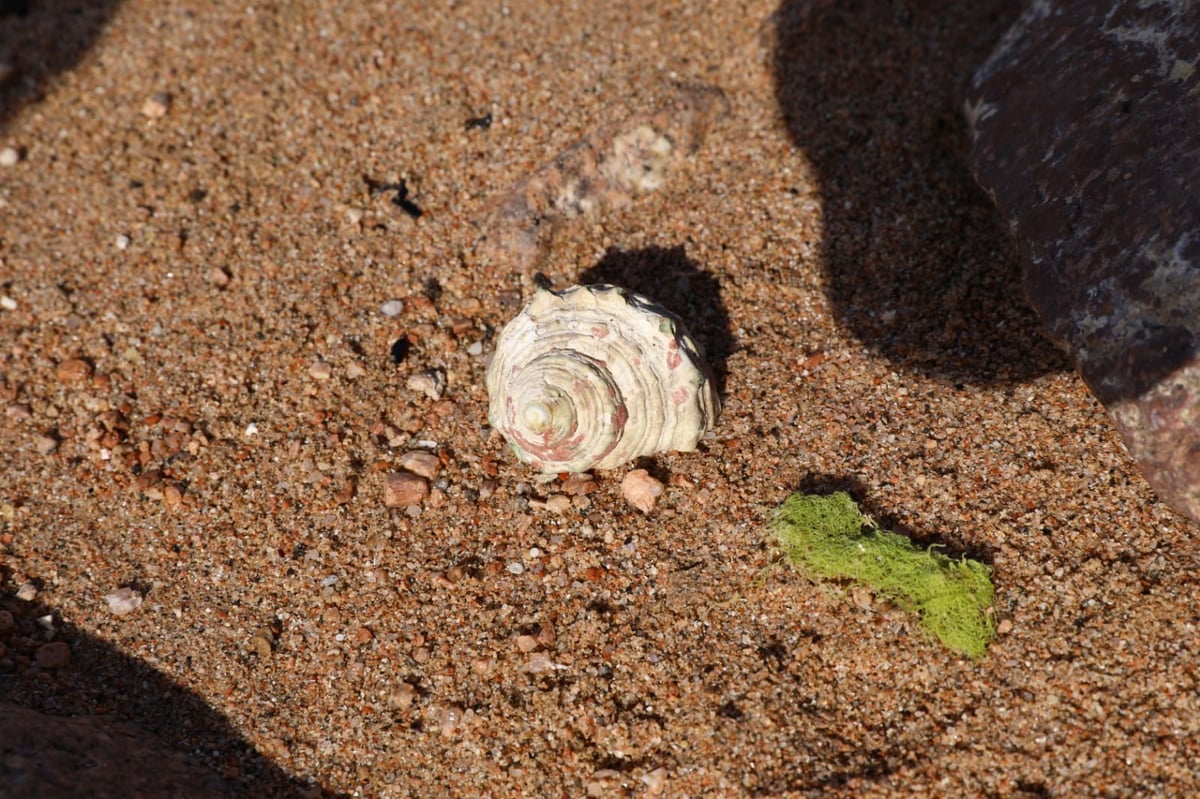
320	371
488	487
655	781
431	383
579	484
355	370
74	370
156	107
558	503
45	444
123	601
403	489
679	481
437	498
421	654
261	647
483	666
421	462
18	412
171	495
641	490
10	156
402	697
545	635
53	655
218	276
450	720
362	636
27	592
527	643
1004	627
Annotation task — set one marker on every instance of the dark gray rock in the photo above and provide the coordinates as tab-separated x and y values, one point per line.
53	757
1086	133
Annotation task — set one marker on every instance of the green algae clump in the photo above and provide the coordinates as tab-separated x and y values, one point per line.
828	537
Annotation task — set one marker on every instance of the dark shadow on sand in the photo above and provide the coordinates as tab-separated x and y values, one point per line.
101	681
40	39
920	264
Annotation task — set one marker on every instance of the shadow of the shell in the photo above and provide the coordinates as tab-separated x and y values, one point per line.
40	39
669	277
920	266
123	728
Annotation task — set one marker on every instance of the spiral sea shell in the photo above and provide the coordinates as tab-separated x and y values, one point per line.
593	376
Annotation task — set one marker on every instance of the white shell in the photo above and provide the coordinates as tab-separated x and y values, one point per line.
594	376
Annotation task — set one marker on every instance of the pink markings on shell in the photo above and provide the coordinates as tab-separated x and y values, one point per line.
674	359
600	331
680	396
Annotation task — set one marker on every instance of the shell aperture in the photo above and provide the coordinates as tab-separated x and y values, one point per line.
593	376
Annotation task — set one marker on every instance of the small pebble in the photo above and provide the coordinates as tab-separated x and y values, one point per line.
404	489
540	662
27	592
10	156
219	276
450	720
171	495
8	303
556	503
320	371
655	781
45	444
475	348
527	643
431	383
123	242
392	308
641	490
74	370
53	655
123	601
261	647
354	215
516	567
421	462
403	696
355	370
579	485
156	106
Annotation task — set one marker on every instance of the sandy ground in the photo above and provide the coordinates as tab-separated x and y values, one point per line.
173	271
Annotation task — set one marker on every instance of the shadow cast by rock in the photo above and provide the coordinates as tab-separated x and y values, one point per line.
40	39
141	727
669	277
921	268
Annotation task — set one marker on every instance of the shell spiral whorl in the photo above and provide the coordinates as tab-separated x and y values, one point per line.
594	376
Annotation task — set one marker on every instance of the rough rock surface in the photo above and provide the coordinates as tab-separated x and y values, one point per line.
1084	123
48	757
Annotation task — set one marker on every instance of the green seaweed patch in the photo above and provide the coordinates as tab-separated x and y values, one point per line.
828	537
